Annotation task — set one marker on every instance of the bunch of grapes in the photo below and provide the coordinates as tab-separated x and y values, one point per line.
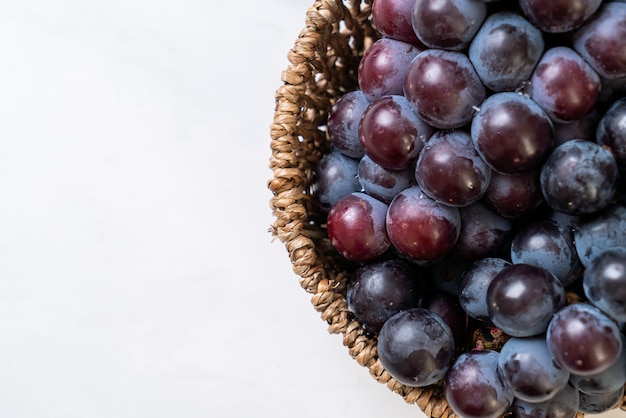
475	183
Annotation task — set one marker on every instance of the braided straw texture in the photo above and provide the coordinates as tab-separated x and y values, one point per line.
323	67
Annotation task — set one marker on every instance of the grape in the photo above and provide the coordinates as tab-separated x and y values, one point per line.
447	24
604	282
474	387
600	231
379	290
483	232
597	404
392	18
334	176
611	132
579	177
601	41
527	367
505	51
521	299
447	273
564	404
583	340
448	308
558	16
343	123
356	227
443	88
384	66
381	183
584	128
391	133
421	228
416	347
514	195
512	133
459	187
564	85
550	245
474	285
607	381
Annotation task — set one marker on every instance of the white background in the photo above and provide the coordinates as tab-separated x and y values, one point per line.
137	274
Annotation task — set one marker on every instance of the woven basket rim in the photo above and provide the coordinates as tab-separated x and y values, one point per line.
291	128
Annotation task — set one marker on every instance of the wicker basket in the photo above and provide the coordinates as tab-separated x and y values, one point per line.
323	67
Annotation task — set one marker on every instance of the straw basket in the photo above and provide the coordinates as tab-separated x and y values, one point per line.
323	67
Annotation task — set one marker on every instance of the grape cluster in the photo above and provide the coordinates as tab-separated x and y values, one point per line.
474	181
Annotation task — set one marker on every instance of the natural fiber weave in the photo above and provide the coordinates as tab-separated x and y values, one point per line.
323	67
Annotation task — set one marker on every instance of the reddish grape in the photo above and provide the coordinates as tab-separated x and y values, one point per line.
564	85
611	132
583	340
601	41
459	187
421	228
475	389
384	66
391	133
447	24
382	183
393	19
559	15
356	227
512	133
514	195
444	88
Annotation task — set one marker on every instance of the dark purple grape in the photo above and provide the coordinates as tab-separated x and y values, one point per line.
446	274
611	132
562	405
607	381
448	308
391	133
381	183
343	123
474	285
604	282
356	227
601	41
384	66
522	299
447	24
443	88
512	133
392	18
483	232
421	228
379	290
558	16
461	186
564	85
416	347
514	195
598	232
505	51
579	177
550	245
474	387
584	128
527	367
583	340
334	176
597	404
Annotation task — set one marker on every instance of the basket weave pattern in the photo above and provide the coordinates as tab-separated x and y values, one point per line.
323	67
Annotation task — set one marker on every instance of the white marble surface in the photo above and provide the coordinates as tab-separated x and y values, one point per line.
137	277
